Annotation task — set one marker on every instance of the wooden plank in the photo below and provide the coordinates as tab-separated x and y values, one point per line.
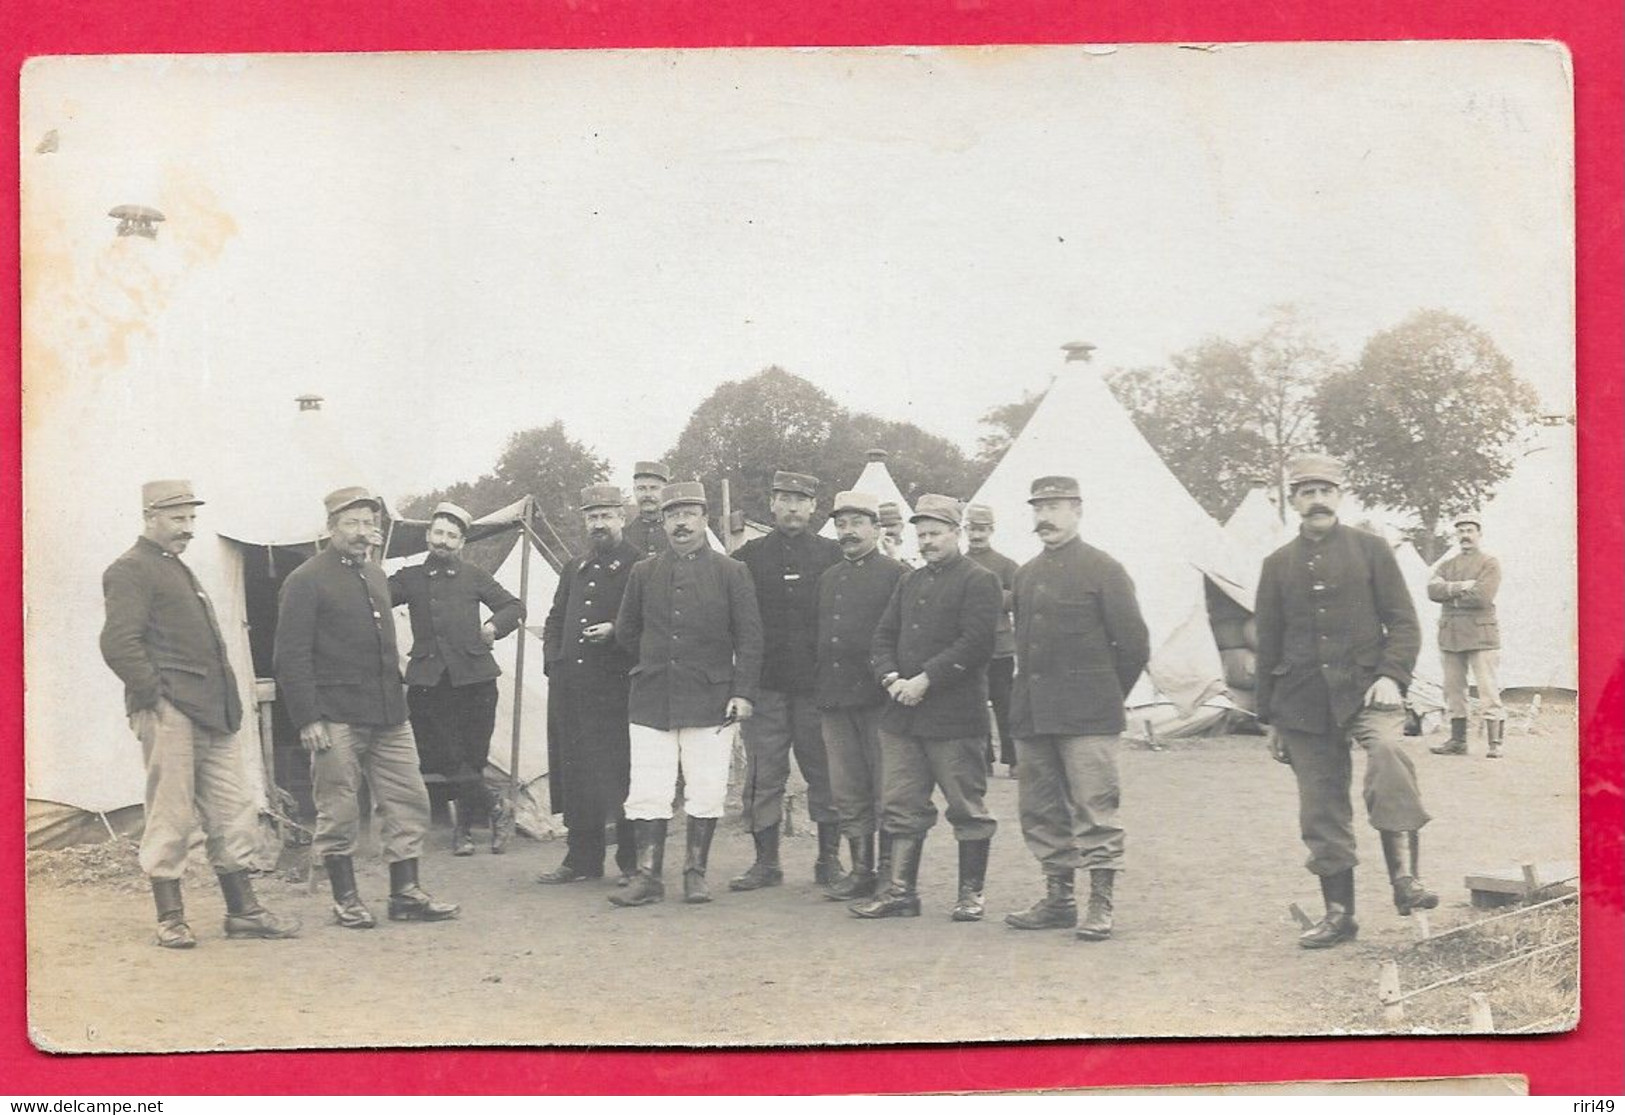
1510	880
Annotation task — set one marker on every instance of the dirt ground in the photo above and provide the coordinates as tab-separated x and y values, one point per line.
1204	945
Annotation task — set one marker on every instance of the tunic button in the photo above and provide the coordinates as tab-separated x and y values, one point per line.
581	661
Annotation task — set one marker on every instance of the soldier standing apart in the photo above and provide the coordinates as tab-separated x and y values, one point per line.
1001	669
930	652
340	676
587	669
1337	638
162	640
852	596
689	616
646	533
1469	636
785	566
1081	644
451	677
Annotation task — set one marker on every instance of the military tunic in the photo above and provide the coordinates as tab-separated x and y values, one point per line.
1469	633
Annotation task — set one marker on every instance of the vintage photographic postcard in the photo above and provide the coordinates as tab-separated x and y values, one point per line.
1197	287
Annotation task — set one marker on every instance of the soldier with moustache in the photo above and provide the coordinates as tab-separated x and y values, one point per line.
785	565
1001	669
589	745
339	675
930	654
1337	639
646	532
162	640
451	676
852	596
1465	585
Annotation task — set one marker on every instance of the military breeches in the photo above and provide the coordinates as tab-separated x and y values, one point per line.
702	754
192	774
1000	678
387	757
1483	666
852	741
1069	793
911	766
782	723
452	725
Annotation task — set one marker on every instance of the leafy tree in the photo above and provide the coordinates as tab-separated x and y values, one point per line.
1005	424
1425	420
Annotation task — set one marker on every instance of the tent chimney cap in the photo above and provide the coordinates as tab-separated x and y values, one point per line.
877	455
136	220
309	402
1079	350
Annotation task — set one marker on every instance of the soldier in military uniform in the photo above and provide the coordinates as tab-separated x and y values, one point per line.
451	676
852	596
1469	636
689	616
930	654
891	533
645	532
162	640
1001	669
589	746
785	565
1081	644
1337	639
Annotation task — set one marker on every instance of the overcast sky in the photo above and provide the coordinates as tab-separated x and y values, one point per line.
450	248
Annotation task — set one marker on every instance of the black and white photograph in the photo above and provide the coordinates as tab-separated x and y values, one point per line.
785	547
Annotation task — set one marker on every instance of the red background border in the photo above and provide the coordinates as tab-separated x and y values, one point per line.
1586	1062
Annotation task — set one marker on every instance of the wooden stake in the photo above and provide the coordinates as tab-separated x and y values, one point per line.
1424	927
1479	1017
1300	917
1393	1011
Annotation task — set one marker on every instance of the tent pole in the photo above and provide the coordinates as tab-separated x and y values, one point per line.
519	667
727	519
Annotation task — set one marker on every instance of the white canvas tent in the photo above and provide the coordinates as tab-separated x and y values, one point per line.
876	480
1137	511
1256	528
1427	679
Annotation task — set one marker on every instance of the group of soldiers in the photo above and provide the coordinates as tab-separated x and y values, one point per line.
875	674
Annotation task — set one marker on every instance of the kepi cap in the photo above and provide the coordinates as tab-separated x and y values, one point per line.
890	514
797	483
341	498
601	495
656	469
1055	487
159	494
451	511
979	514
944	509
684	491
1468	517
1311	467
858	501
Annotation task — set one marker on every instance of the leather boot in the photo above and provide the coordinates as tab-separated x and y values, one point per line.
860	882
972	877
1457	743
348	909
900	899
410	902
883	863
173	932
1402	851
245	917
1097	919
700	831
626	852
501	822
1494	735
647	887
462	841
1413	722
1058	909
765	872
565	872
828	868
1338	925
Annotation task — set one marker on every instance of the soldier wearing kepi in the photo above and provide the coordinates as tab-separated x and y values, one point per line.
339	676
1469	636
1081	644
1337	639
785	566
451	686
162	640
1001	669
689	616
589	746
852	596
891	532
930	653
646	532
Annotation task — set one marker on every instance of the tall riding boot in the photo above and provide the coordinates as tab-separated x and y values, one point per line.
501	819
462	841
1338	925
348	909
900	899
1494	735
1457	743
1402	850
626	852
173	932
883	863
1058	909
245	917
828	868
765	872
1097	919
861	882
647	887
972	877
700	831
410	902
